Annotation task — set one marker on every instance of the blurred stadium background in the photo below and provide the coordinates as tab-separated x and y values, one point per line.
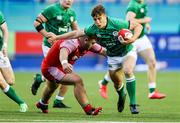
25	43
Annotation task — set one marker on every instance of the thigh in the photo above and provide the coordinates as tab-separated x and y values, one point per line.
71	79
8	75
148	55
116	75
3	83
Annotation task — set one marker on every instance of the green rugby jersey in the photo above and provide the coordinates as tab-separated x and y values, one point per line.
140	10
108	37
59	20
2	20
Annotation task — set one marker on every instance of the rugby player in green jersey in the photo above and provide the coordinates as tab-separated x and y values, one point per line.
6	73
137	10
58	18
121	56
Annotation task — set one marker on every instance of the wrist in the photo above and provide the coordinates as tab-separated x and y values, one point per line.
63	62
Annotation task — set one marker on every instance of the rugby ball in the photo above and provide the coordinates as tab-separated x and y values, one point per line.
125	34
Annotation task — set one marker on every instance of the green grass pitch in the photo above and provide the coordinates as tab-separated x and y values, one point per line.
166	110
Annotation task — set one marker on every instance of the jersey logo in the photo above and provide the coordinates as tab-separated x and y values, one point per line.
142	10
115	33
59	17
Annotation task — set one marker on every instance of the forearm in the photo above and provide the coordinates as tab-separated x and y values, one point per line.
137	31
71	35
63	55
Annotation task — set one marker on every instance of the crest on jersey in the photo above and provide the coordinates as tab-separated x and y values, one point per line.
59	17
115	33
98	35
71	18
142	10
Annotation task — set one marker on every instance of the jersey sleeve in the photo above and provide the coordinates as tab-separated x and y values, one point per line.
2	20
70	45
96	48
48	12
132	8
121	24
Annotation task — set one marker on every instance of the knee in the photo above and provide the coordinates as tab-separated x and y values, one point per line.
11	81
128	72
79	81
152	64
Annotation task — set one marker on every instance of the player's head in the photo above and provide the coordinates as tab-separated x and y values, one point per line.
66	3
99	16
140	1
86	42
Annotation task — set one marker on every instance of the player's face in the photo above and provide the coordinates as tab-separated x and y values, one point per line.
87	43
66	3
100	21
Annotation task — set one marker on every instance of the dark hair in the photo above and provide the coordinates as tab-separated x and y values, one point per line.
98	10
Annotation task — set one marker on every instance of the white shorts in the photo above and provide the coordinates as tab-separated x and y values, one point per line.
115	63
142	43
45	50
4	61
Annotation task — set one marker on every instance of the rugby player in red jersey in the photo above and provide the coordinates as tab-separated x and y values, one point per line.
57	68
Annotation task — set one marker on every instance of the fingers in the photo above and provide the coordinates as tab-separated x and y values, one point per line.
68	68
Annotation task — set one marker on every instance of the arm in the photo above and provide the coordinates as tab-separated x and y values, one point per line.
132	16
38	24
103	52
63	57
5	33
70	35
75	26
137	31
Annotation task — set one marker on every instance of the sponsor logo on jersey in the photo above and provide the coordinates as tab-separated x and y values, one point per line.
63	29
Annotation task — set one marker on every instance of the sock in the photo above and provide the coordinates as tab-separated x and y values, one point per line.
121	91
39	78
43	102
106	79
87	108
152	86
131	89
58	99
11	94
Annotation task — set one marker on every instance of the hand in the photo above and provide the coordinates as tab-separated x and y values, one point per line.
68	68
51	37
148	28
147	19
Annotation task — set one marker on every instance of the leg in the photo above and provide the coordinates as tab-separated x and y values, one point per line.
149	56
12	94
117	78
103	85
58	102
128	67
48	90
8	75
38	79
